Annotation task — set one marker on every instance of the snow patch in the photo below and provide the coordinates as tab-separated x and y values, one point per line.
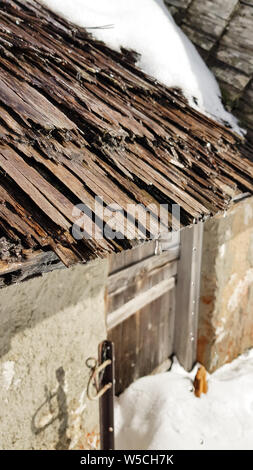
162	413
166	53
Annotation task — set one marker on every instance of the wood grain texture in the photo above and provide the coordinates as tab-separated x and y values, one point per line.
223	34
143	341
139	302
78	120
140	305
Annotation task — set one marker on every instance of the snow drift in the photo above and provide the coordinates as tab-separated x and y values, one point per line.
161	412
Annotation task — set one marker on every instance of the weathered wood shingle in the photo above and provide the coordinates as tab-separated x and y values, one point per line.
79	120
223	33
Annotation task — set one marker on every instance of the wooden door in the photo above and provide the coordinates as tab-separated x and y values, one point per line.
152	305
141	310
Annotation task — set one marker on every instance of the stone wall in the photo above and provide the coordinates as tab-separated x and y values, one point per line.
222	30
49	326
226	299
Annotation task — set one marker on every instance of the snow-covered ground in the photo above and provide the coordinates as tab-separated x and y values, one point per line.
147	27
161	412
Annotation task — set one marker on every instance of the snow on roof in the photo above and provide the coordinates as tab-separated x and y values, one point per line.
77	120
166	53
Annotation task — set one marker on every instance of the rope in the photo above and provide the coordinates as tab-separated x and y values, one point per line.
94	380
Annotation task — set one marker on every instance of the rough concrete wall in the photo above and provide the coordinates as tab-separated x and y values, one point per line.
226	299
222	30
49	326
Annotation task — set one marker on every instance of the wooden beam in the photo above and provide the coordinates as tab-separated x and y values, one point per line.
119	281
138	302
36	263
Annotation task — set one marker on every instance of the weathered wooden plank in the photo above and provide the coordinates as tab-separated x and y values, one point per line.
35	229
210	16
130	257
144	341
18	225
31	264
49	191
151	176
78	119
141	283
140	301
140	195
31	105
178	3
236	45
112	194
120	280
33	192
75	186
222	33
30	260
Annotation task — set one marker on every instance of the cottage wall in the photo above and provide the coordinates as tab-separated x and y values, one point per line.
226	299
49	326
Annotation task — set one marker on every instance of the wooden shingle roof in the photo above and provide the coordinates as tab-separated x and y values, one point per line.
79	120
223	33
